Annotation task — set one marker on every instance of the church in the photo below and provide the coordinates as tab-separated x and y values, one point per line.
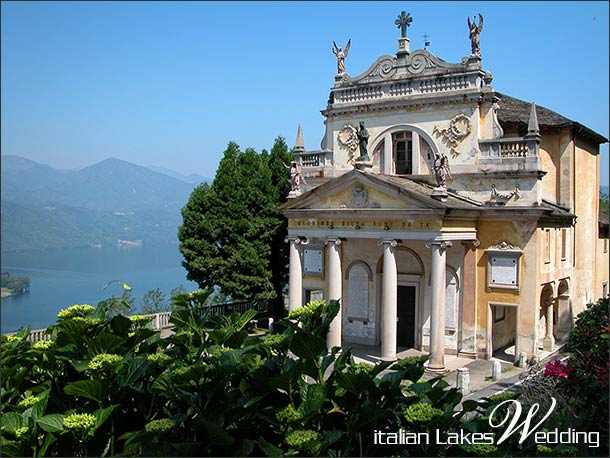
443	215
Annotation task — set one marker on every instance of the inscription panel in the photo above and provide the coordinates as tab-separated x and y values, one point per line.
313	261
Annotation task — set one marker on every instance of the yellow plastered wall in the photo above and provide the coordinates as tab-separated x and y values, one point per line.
586	206
521	235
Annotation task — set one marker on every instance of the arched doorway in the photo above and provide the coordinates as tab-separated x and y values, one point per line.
546	340
563	311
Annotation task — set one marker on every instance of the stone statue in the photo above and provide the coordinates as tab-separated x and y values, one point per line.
296	178
441	169
404	20
475	32
363	141
341	55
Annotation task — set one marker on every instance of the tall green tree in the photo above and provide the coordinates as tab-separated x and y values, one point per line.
230	229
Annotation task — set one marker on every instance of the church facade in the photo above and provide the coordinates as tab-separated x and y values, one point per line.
444	215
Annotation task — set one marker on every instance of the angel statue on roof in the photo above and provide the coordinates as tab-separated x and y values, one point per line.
475	31
341	55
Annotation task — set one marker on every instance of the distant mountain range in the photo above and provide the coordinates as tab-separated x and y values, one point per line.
43	207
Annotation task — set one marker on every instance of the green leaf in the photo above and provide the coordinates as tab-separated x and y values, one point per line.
269	449
10	421
120	325
101	415
306	345
131	370
92	389
106	342
52	423
313	397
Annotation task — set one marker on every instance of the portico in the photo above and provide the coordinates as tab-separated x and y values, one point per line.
337	251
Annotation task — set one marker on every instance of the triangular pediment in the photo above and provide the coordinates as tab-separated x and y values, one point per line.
358	190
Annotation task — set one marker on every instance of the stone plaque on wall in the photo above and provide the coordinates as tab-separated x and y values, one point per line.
313	261
504	270
358	293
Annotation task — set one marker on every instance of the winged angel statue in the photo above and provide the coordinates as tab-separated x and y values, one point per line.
341	55
475	32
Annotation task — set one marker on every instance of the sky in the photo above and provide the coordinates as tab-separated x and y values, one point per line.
170	84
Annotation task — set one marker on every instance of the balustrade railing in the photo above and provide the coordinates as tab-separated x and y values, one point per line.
507	148
160	320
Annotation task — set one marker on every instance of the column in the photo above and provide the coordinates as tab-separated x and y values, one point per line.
416	153
548	344
436	362
389	301
295	279
388	154
334	290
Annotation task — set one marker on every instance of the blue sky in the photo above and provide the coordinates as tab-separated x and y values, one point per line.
172	83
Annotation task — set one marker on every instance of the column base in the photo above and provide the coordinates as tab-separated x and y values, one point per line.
388	358
436	370
548	344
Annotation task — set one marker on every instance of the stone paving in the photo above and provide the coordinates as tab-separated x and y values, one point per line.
480	370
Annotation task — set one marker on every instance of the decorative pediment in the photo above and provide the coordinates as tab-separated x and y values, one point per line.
422	61
382	69
360	191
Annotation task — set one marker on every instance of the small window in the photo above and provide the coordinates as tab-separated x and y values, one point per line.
547	246
403	153
564	244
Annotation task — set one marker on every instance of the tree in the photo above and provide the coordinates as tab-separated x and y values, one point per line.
231	229
154	301
177	291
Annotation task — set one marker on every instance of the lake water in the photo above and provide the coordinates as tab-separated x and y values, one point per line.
60	278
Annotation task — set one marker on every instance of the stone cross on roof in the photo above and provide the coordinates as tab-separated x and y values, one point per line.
404	20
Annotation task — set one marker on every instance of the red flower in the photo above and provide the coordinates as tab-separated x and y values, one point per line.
557	369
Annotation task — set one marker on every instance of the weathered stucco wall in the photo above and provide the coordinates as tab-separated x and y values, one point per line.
586	206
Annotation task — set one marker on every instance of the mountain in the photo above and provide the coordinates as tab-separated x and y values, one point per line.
193	178
43	207
22	177
111	184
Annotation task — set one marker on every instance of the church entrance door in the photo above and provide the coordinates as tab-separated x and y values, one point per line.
405	335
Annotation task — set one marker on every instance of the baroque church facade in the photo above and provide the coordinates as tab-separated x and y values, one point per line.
444	215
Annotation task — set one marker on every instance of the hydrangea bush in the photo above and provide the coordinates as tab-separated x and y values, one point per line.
109	385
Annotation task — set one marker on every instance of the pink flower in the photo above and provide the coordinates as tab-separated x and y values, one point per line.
557	369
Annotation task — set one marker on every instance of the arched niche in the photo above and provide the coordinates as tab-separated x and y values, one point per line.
401	150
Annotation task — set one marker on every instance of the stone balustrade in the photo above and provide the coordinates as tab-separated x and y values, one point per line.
508	148
390	90
312	160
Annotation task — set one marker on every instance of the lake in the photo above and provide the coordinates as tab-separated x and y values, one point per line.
60	278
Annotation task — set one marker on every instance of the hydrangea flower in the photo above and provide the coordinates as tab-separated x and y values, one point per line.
363	368
43	344
83	421
557	369
104	361
288	414
158	358
19	432
75	310
140	319
159	426
28	401
274	340
312	309
303	439
421	412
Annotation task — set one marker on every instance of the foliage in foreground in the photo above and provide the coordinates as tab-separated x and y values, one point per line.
108	385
